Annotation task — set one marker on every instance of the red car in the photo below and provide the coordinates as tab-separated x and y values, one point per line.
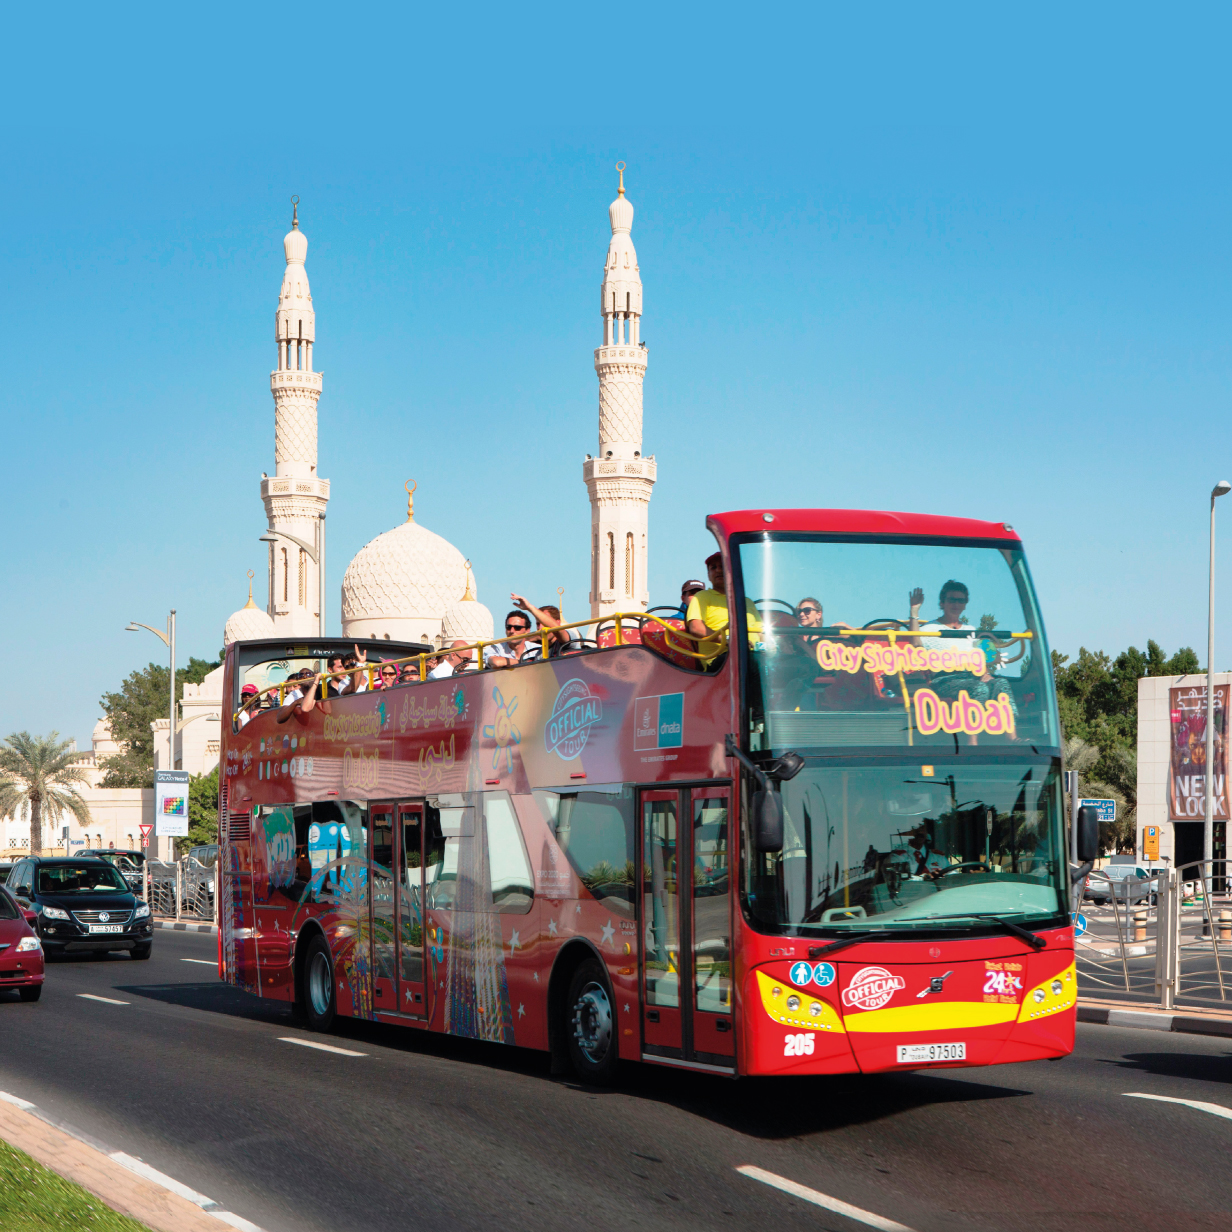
21	954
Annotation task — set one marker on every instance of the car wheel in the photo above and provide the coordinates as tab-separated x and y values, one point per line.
31	992
590	1026
142	951
320	1004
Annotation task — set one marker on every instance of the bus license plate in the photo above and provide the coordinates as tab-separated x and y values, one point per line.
914	1054
119	928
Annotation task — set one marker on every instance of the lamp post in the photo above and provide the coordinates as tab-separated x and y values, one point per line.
1222	488
315	554
169	641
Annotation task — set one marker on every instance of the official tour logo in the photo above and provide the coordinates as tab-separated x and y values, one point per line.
574	713
871	988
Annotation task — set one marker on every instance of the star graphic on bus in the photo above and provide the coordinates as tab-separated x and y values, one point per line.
521	1011
608	932
504	731
514	941
551	928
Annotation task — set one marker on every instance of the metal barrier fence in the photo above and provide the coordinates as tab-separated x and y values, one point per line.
1163	940
183	890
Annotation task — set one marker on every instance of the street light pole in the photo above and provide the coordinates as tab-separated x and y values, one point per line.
169	641
321	569
1208	830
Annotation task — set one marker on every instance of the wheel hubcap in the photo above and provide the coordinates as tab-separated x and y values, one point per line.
592	1022
320	984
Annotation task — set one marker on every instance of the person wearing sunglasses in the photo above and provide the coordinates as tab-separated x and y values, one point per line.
387	676
510	651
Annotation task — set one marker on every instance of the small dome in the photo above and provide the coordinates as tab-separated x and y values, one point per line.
247	624
103	741
295	245
467	619
399	585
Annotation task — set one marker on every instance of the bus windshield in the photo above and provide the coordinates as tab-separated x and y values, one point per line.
906	643
913	847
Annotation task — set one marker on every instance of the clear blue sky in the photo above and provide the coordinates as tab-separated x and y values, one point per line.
957	260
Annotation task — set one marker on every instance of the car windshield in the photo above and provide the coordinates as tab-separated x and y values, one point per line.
8	908
912	846
79	879
911	643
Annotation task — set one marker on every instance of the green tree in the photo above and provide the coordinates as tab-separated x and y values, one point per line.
1097	696
202	812
140	700
40	771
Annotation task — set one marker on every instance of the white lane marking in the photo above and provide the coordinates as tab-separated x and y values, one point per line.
824	1200
89	996
344	1052
205	962
1214	1109
5	1097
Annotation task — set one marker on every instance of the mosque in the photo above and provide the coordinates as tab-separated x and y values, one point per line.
409	583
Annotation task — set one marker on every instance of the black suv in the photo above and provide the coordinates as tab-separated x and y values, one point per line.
83	904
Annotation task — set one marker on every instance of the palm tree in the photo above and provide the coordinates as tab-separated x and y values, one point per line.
40	771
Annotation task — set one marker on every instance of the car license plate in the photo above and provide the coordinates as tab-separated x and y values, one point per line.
109	928
914	1054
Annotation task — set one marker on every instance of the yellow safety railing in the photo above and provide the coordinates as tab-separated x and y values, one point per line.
674	638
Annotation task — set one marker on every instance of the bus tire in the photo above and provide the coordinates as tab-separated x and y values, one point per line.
319	1001
590	1025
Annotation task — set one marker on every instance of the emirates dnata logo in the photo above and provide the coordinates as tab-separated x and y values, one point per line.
871	988
575	712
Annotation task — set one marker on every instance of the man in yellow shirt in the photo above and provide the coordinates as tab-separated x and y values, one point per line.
708	614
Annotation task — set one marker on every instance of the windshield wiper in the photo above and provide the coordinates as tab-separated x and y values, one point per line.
888	934
1008	926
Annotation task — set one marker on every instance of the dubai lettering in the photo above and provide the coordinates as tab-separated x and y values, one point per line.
966	715
360	769
901	657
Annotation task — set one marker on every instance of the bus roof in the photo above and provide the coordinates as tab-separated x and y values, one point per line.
856	522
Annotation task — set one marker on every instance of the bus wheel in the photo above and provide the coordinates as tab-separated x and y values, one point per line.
590	1025
319	1002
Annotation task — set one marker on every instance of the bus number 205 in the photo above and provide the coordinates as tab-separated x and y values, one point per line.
799	1045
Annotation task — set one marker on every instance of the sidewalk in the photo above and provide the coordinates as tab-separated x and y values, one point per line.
1188	1021
183	926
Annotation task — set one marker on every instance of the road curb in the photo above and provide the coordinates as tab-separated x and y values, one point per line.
124	1183
1154	1020
180	927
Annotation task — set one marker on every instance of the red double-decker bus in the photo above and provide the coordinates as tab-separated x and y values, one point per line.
827	840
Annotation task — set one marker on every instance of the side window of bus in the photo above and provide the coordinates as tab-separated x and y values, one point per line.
450	844
509	875
595	831
275	841
329	841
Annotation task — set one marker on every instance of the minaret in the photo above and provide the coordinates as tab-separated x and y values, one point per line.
619	479
295	498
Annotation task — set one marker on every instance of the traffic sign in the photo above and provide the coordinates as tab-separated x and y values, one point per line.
145	834
1105	808
1080	923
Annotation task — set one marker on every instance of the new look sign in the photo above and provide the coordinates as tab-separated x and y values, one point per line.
658	722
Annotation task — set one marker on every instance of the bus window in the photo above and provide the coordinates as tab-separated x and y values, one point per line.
594	829
660	904
711	913
513	887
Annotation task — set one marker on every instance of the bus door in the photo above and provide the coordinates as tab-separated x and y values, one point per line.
382	827
685	881
410	956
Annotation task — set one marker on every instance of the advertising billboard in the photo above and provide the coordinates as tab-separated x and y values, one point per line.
1187	753
171	803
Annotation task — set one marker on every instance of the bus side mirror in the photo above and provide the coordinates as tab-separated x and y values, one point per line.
1088	833
767	820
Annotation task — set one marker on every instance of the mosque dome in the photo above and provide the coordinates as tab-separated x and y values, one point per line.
466	618
248	623
400	584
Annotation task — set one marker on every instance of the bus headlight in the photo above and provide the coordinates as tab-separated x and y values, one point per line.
793	1002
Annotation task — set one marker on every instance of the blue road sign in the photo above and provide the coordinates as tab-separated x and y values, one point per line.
1080	923
1107	808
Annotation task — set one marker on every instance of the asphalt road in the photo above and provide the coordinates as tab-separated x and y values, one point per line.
426	1133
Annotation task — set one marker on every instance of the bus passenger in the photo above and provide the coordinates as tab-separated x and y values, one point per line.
546	617
454	663
687	591
387	675
918	859
340	684
707	613
248	695
507	653
303	704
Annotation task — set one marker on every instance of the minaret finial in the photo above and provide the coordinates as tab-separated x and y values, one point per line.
621	168
250	603
469	597
560	602
410	487
295	213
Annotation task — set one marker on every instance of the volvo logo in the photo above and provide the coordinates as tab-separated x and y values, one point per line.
103	917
